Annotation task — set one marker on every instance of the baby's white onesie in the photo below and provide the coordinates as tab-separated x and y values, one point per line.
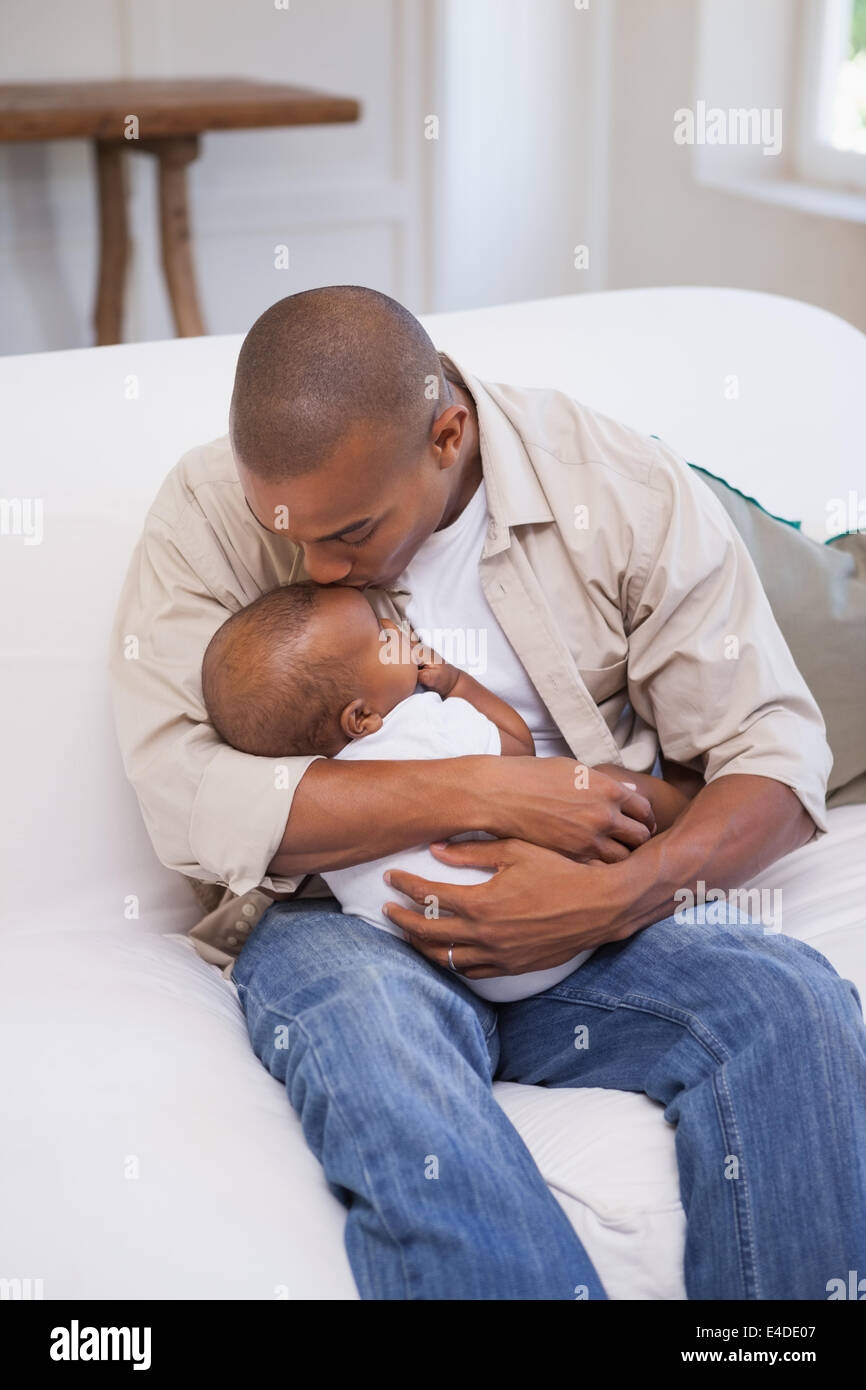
426	726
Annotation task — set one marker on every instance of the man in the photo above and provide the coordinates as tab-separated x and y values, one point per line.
625	620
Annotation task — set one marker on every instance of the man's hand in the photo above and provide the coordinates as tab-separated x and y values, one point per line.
667	801
541	908
564	806
538	910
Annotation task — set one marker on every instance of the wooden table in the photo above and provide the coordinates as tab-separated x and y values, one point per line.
164	118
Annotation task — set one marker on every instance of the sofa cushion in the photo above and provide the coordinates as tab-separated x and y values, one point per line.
818	597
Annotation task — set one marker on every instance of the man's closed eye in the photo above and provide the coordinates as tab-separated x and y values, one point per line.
362	540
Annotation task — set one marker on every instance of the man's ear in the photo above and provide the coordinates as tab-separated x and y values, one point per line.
448	433
358	720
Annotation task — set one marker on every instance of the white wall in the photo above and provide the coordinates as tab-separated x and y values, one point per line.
668	229
519	169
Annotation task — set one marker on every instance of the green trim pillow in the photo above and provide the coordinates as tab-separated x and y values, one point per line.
818	597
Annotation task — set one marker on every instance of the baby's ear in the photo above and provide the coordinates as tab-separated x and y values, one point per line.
358	720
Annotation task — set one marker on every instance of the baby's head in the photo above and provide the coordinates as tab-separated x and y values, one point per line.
304	669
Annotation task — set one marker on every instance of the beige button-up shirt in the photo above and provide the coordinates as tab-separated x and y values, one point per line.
614	572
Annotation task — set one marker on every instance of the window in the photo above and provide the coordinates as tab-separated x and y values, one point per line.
833	86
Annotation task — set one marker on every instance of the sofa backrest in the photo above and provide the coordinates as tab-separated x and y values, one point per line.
89	435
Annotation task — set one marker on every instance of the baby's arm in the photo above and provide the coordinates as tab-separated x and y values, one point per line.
668	802
448	681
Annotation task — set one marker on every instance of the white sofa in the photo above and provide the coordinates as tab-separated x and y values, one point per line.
145	1151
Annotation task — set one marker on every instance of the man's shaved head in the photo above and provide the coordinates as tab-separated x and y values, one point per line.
319	364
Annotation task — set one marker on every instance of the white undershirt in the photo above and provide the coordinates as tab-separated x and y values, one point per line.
449	611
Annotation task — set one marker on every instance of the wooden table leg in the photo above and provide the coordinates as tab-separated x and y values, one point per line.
113	243
174	155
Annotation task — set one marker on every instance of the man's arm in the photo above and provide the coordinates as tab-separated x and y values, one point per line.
347	813
733	829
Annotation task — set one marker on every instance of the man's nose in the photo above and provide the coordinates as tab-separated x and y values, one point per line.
325	569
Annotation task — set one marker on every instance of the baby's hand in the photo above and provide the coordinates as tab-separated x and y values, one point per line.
434	673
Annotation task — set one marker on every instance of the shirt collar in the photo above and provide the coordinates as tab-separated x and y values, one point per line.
514	494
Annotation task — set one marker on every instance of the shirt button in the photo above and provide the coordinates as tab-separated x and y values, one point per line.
242	925
248	910
231	940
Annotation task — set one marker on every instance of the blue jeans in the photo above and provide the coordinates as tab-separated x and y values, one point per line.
753	1044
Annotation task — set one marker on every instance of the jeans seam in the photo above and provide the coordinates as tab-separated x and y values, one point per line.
646	1003
294	1018
350	1132
748	1270
488	1032
706	1039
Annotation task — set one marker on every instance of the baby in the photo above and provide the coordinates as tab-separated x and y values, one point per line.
306	670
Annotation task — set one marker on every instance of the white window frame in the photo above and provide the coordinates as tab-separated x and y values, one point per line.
826	29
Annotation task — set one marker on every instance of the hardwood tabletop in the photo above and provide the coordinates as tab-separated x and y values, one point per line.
164	107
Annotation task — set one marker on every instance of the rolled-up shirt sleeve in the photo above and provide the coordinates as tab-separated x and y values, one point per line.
212	812
707	664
